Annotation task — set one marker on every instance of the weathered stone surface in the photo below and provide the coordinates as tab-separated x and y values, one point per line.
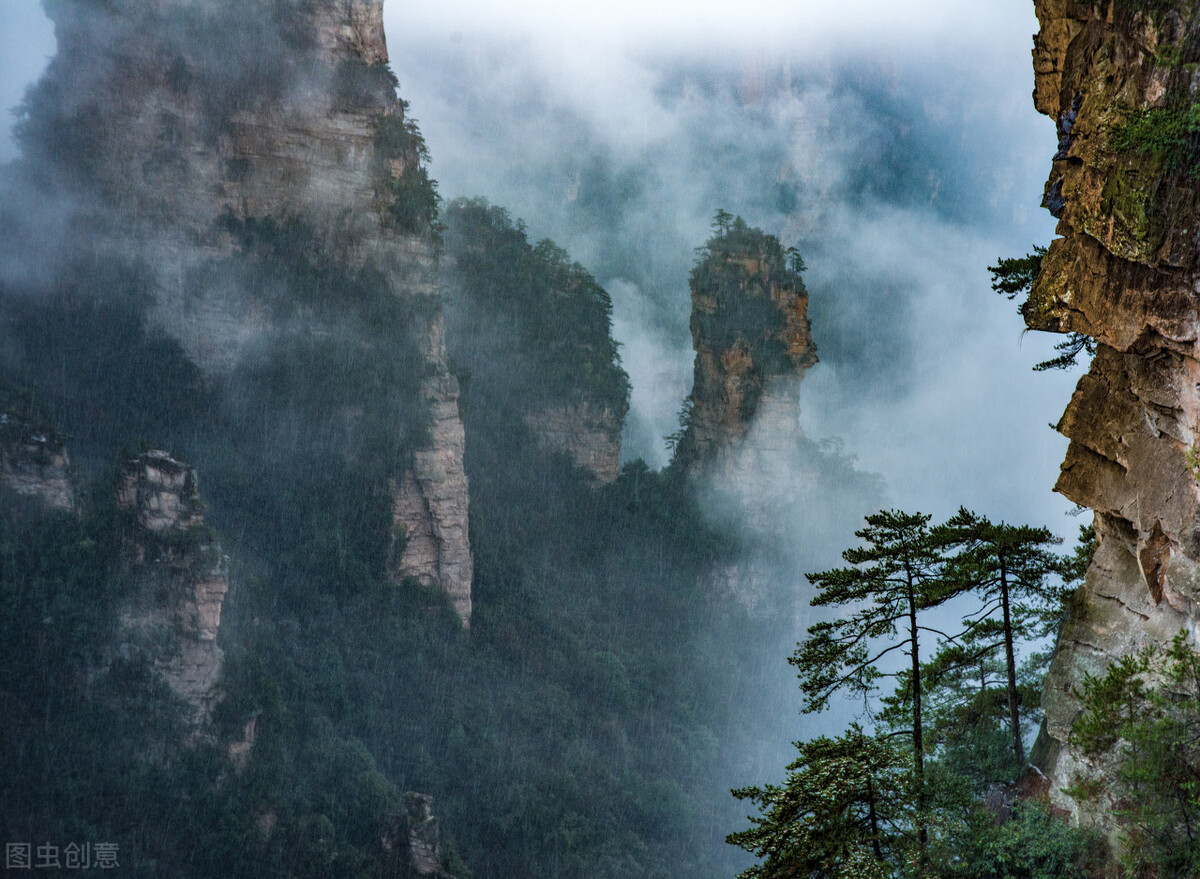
1124	272
732	386
181	577
742	444
412	841
429	507
168	167
589	434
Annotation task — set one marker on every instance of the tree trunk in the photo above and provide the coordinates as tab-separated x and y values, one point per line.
875	846
1014	718
918	744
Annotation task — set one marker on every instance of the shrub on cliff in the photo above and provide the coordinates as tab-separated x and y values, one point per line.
1143	715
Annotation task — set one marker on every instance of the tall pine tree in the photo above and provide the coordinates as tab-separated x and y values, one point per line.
895	576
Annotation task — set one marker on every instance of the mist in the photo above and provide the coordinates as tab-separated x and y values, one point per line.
901	168
900	154
895	147
620	135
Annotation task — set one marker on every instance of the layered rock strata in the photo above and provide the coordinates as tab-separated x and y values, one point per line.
1124	272
181	579
753	344
429	508
741	441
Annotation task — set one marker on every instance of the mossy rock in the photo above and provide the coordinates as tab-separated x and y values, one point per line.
1136	227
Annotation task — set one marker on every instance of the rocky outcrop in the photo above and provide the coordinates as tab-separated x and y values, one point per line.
429	508
180	576
33	455
185	141
1124	272
587	433
741	441
412	841
753	345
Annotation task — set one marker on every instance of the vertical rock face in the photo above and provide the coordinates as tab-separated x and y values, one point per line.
430	500
412	842
533	330
180	131
1123	272
181	579
753	345
741	440
33	456
588	433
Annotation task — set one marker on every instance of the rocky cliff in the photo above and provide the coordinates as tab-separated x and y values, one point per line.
255	161
412	841
741	441
180	579
587	433
1119	79
533	330
753	345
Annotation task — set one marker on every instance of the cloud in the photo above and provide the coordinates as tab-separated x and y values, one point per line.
900	177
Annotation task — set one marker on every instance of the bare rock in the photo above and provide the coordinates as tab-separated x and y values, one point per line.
742	441
429	506
1124	272
587	433
745	369
180	146
412	843
181	578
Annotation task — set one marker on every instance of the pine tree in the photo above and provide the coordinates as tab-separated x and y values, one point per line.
896	576
844	811
1008	567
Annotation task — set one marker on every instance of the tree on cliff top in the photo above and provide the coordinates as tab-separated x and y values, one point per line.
1013	276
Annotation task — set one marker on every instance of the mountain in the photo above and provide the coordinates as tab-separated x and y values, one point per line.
312	511
1117	79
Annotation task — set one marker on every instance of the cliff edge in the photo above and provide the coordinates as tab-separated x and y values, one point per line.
1119	79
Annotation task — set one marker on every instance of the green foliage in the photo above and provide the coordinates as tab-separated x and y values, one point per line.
1007	567
1014	276
88	350
1144	714
408	193
530	325
1031	844
1075	566
1164	132
737	267
567	736
359	85
844	811
897	575
959	709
